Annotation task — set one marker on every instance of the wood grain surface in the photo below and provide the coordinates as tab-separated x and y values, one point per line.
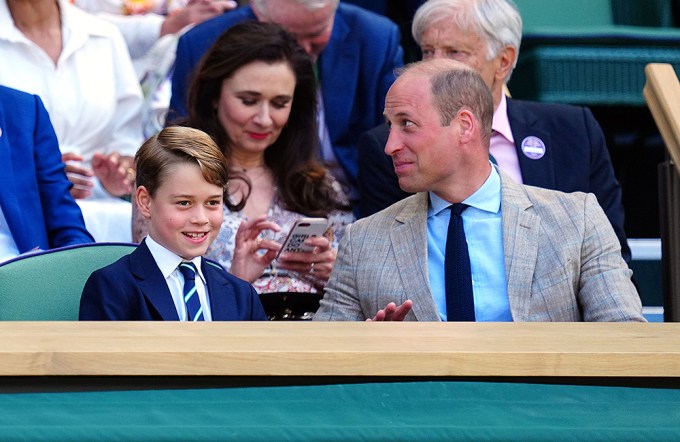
339	349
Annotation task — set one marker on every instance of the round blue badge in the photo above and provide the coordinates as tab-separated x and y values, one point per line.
533	147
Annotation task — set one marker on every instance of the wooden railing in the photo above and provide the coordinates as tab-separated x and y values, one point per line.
662	94
328	349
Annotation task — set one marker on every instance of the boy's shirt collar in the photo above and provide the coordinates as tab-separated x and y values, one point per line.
168	261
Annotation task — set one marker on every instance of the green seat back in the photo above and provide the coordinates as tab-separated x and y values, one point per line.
542	14
587	52
656	13
46	286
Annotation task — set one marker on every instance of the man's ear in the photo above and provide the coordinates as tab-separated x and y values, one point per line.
506	61
143	199
466	125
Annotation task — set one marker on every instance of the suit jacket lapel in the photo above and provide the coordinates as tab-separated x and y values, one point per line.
152	283
520	245
524	123
409	243
222	307
338	90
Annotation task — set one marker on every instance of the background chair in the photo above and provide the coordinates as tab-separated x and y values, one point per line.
290	306
592	52
46	286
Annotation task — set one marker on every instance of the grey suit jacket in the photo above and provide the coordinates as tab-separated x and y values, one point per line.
562	261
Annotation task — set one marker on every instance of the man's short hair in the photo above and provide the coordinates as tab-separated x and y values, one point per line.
456	86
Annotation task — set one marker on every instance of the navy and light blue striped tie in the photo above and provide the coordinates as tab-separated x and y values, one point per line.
194	308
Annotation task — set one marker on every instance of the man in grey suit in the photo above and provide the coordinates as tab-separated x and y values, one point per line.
535	254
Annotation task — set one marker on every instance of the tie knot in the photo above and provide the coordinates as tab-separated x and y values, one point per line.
188	270
458	208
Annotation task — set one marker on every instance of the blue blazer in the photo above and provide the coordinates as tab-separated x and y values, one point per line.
35	193
133	289
356	69
576	159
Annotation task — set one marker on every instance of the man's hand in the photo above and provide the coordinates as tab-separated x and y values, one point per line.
393	313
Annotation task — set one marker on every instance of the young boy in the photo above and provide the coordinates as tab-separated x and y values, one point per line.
181	177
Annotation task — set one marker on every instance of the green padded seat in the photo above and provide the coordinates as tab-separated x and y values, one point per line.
46	286
657	13
588	75
574	52
564	14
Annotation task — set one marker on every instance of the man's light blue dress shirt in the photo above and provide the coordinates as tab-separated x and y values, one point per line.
484	233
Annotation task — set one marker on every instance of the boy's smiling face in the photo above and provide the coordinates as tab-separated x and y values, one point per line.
185	215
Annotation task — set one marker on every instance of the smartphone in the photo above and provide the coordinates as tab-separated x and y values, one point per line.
302	229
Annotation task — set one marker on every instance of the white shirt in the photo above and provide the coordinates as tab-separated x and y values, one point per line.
168	263
140	31
92	94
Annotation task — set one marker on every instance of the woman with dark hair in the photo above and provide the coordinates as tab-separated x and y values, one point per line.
255	94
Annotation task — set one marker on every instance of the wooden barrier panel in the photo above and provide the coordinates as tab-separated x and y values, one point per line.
339	349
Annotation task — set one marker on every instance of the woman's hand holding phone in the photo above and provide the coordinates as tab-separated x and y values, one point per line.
307	250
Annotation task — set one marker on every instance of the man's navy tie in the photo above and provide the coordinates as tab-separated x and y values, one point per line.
194	308
460	304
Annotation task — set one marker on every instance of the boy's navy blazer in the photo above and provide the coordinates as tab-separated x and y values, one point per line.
133	289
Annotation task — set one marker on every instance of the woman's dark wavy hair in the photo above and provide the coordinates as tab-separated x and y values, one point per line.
301	179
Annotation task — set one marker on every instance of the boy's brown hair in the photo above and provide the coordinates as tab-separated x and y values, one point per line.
179	145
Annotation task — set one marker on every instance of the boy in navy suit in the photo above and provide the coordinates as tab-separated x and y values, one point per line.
181	177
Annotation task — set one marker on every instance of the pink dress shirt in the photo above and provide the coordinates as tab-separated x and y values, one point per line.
503	143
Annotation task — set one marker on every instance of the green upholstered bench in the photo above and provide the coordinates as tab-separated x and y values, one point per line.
575	52
46	286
